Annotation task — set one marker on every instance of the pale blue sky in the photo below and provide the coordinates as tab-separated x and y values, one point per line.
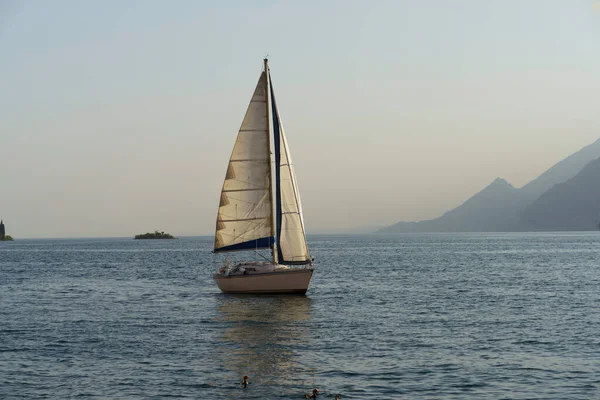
118	117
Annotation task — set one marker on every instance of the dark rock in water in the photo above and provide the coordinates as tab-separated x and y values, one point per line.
3	236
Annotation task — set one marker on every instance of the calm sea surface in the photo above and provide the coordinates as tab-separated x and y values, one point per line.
444	316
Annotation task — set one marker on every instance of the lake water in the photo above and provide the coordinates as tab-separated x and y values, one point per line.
430	316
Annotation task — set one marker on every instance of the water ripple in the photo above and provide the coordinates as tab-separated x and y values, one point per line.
444	316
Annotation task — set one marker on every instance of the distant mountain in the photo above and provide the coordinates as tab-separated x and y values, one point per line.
562	171
573	205
494	209
500	207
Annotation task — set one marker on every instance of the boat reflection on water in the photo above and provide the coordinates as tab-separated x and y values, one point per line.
263	336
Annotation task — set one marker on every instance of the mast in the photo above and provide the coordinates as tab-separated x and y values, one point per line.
267	91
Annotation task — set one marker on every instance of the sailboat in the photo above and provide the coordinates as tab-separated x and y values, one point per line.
259	206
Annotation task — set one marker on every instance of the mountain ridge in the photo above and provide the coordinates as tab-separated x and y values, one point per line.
563	170
500	207
573	205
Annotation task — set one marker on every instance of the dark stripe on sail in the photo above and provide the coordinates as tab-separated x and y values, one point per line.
304	262
277	145
262	243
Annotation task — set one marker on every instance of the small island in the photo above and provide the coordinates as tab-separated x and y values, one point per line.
6	238
155	235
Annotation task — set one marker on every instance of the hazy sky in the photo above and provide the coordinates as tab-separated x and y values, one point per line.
118	117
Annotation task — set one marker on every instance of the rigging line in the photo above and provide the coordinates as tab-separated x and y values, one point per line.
242	190
256	160
224	231
232	199
240	219
259	254
233	235
231	218
257	211
240	181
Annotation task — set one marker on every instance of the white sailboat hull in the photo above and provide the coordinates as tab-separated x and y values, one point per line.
292	280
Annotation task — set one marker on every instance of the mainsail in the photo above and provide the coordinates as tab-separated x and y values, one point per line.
291	240
244	220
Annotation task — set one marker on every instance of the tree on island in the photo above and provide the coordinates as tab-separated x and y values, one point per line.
155	235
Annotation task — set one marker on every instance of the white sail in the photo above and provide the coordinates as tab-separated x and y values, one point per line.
244	220
291	239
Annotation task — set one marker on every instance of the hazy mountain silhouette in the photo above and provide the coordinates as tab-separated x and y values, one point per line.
573	205
500	207
562	171
494	209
